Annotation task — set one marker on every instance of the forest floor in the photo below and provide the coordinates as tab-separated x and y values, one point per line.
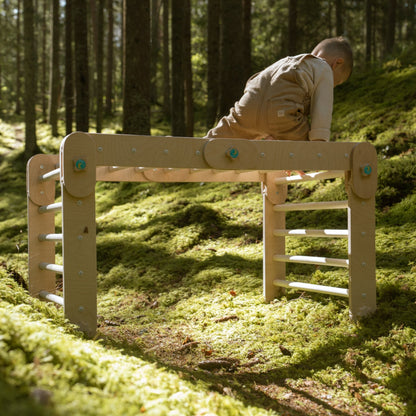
183	327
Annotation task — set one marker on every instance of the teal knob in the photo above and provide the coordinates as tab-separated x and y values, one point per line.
366	170
232	153
80	164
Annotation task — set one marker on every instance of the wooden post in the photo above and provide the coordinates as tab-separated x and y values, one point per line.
40	193
78	175
361	187
273	194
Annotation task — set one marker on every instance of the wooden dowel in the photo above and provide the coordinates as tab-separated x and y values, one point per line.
306	206
51	207
51	297
50	237
313	176
52	267
323	261
53	174
312	233
116	168
329	290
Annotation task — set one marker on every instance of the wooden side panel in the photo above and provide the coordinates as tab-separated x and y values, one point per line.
272	244
79	231
80	264
361	187
40	193
361	254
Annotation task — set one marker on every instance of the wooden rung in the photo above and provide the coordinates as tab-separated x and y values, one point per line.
306	206
53	174
51	207
50	237
338	291
53	298
116	168
313	176
311	233
324	261
52	267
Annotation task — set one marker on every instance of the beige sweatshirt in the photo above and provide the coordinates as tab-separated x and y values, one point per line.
278	101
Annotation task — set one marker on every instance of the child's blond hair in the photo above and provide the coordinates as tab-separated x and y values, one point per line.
337	47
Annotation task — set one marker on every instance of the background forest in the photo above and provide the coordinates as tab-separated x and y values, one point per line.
183	327
177	63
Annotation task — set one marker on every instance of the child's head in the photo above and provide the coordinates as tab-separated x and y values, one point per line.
338	53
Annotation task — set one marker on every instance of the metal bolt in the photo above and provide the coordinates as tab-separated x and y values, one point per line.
41	167
363	264
346	155
363	233
166	151
80	237
364	295
100	149
42	192
80	273
133	150
363	203
262	154
319	155
291	155
79	203
81	309
198	152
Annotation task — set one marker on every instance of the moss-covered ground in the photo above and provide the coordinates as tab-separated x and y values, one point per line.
183	328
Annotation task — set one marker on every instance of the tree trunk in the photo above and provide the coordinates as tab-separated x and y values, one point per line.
247	38
110	59
166	61
232	75
81	65
213	76
18	109
69	73
99	62
155	48
368	29
43	86
178	75
410	12
54	70
188	71
30	65
136	104
293	33
390	26
339	17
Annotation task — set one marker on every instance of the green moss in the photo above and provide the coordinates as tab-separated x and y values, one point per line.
180	283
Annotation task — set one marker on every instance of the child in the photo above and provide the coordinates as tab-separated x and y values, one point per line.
278	101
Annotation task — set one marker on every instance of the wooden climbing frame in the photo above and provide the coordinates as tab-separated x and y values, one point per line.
85	158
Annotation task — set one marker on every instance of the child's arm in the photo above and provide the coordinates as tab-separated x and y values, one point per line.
321	104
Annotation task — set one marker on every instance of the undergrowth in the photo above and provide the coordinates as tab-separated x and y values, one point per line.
183	328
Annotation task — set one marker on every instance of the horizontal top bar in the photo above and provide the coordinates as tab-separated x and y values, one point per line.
204	153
